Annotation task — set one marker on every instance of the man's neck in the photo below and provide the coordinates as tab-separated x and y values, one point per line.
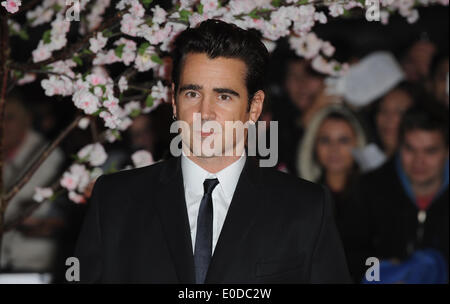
213	164
428	189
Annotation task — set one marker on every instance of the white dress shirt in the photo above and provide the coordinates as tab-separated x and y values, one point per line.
193	178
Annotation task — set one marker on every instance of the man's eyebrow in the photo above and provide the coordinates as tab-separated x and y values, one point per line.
194	87
226	90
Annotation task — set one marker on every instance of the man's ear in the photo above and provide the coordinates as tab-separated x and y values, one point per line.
174	104
256	105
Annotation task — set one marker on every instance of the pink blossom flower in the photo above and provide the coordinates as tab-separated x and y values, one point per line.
307	46
195	19
241	6
112	104
41	53
106	58
336	9
52	86
384	17
97	43
155	35
98	91
76	177
413	16
160	92
85	100
111	121
144	62
123	84
129	50
136	9
321	17
27	78
40	15
132	106
94	18
110	136
96	79
328	49
94	153
12	6
280	18
332	67
125	123
129	24
64	67
84	123
274	32
60	26
159	15
41	194
142	158
76	198
209	5
69	181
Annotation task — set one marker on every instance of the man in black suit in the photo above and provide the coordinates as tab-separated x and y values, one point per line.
211	219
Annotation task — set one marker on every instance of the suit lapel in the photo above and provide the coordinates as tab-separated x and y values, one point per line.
240	218
172	209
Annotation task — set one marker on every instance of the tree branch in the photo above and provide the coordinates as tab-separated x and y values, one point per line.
28	211
27	176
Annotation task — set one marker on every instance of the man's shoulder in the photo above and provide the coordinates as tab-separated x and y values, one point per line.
287	180
284	184
135	177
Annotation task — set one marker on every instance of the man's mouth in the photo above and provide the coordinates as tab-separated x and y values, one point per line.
206	134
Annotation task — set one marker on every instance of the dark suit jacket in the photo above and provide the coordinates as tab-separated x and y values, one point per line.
279	229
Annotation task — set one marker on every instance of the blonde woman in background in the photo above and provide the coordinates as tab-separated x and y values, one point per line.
325	156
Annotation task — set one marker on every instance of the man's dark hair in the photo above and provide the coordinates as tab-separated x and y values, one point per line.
427	115
216	38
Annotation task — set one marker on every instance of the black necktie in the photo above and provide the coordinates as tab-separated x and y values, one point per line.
203	239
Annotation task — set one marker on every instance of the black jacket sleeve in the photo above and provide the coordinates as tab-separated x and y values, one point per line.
328	262
89	246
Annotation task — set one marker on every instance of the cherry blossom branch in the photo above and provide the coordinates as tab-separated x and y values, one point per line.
128	73
20	68
138	88
70	50
133	97
94	129
27	176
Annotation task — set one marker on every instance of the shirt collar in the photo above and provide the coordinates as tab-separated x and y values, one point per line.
194	176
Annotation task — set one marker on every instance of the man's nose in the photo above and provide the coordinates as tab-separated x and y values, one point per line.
419	159
207	109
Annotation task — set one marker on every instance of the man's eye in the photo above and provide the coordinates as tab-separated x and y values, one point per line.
191	94
224	97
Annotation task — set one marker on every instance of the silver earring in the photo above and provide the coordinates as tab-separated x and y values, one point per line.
173	117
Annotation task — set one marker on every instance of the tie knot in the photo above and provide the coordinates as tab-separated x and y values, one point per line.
209	185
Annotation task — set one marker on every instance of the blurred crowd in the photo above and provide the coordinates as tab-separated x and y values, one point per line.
377	139
383	156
